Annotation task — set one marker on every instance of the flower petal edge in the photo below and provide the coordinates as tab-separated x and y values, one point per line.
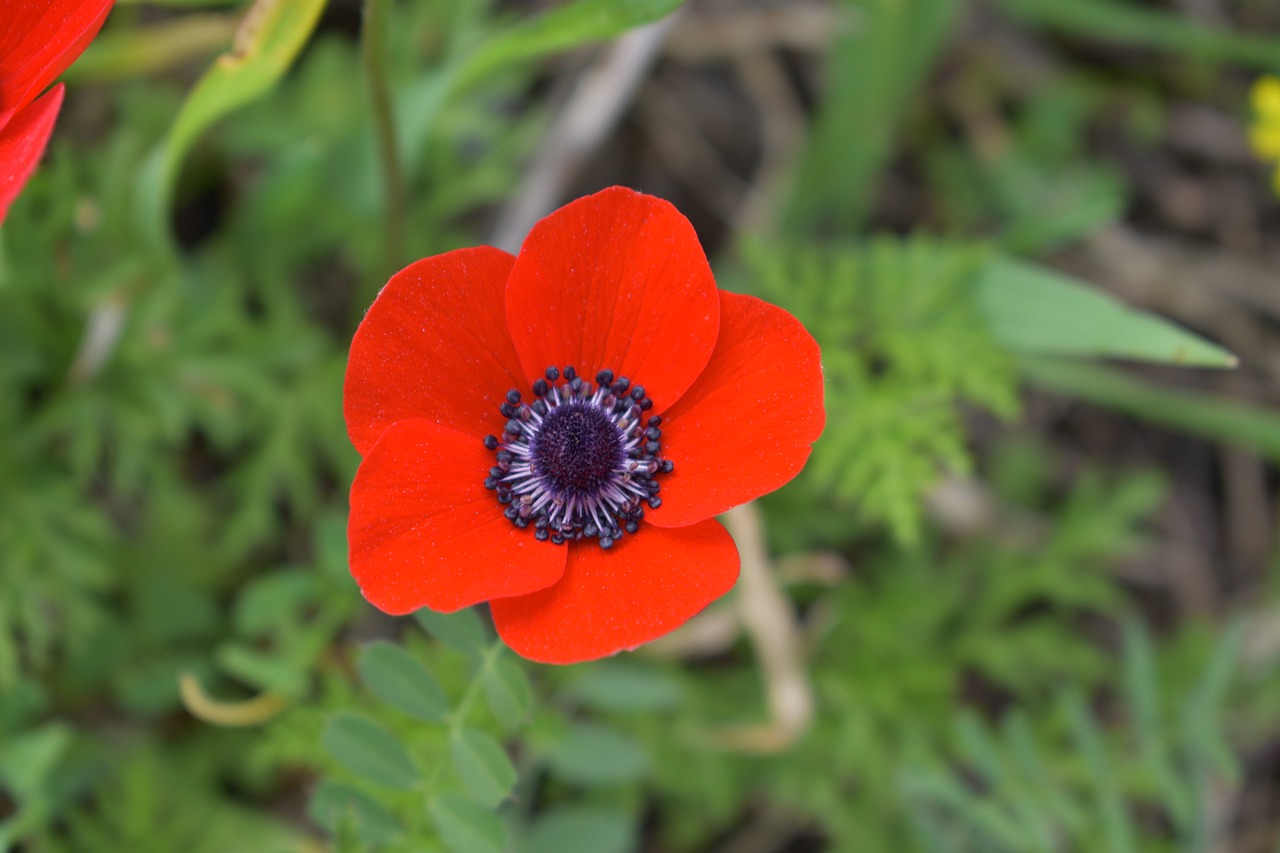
748	424
608	601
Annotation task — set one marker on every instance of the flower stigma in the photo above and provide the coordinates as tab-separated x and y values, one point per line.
579	461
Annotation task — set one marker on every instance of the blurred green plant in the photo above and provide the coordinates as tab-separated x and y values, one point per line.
174	463
1138	784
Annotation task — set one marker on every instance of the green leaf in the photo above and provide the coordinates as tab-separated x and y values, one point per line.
461	630
188	4
265	604
1142	689
123	53
28	760
890	316
467	827
887	48
1089	741
1035	310
403	682
560	29
1132	23
626	687
485	769
333	803
507	691
369	751
264	670
270	36
569	828
597	756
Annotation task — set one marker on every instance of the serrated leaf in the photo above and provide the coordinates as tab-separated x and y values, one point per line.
507	691
368	750
467	827
1035	310
890	316
333	803
483	765
593	755
403	682
461	630
578	828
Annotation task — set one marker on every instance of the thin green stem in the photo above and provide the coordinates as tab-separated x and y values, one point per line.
373	48
491	655
459	714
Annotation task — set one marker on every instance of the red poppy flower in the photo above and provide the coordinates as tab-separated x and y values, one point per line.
554	432
38	40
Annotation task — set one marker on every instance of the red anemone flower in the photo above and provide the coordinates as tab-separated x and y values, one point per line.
554	432
38	40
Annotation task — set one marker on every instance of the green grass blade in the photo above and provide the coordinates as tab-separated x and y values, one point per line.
1213	418
1130	23
1031	309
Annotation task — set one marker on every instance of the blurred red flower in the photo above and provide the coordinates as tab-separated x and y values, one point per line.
554	432
38	40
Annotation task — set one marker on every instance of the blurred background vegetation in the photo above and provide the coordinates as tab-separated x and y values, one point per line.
1022	599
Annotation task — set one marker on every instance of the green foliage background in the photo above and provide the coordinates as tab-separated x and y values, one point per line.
174	465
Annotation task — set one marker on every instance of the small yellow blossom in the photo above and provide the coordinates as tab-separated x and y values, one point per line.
1266	98
1264	134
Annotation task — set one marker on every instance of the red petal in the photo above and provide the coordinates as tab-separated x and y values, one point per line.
643	587
745	428
38	40
434	345
22	142
424	531
615	280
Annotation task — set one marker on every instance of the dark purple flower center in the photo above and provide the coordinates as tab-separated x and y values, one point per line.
577	448
579	461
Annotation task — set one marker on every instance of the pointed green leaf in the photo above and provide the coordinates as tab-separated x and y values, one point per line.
1035	310
270	36
581	828
485	769
595	755
626	687
28	759
334	803
506	689
467	827
461	630
369	751
881	51
268	39
399	679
